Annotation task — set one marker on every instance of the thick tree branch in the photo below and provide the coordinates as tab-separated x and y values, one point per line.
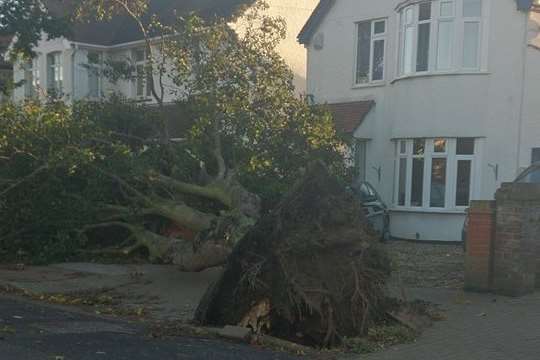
23	180
218	153
212	191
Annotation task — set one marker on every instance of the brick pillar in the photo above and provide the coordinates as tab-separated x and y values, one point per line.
517	237
479	254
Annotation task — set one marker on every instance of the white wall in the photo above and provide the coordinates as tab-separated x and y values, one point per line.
484	105
530	128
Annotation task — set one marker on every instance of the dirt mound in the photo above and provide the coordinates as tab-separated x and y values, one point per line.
311	271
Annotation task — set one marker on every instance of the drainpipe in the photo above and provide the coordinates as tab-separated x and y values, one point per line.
75	48
522	97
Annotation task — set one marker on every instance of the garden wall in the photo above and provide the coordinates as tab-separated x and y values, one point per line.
503	242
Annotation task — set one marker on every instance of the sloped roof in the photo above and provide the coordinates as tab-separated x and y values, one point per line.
325	6
348	116
314	21
123	29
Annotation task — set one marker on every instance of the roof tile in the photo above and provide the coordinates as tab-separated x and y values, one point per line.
349	116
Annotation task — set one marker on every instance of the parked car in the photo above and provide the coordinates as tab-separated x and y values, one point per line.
530	175
375	209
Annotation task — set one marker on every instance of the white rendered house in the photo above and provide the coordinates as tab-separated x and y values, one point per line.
64	65
441	97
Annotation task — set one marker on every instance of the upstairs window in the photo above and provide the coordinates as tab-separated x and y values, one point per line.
440	35
370	51
95	61
142	78
55	73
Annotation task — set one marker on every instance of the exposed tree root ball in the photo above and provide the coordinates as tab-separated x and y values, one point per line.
311	271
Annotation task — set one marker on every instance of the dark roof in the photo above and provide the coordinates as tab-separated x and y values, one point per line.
349	116
315	20
123	29
524	5
324	7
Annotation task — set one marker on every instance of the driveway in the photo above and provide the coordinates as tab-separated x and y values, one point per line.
31	331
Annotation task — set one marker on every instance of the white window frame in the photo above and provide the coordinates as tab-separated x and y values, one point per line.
138	63
451	173
459	21
373	38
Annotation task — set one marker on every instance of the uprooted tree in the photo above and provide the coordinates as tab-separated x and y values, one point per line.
311	270
72	175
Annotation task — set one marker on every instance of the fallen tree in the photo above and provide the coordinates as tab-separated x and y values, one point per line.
311	271
108	176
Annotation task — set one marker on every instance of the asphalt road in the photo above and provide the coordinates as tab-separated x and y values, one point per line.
32	331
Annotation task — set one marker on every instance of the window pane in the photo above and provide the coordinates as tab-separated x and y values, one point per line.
472	8
378	60
360	160
402	147
463	182
447	8
408	50
379	27
535	155
438	183
148	84
140	80
445	44
471	41
417	187
139	55
402	181
422	56
535	158
419	146
439	145
424	11
465	146
93	82
363	54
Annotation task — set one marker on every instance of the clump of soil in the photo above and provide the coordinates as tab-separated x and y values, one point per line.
311	271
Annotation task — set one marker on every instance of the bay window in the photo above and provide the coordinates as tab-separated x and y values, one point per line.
434	173
440	35
370	51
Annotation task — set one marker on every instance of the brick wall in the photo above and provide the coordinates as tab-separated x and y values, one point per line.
503	243
480	231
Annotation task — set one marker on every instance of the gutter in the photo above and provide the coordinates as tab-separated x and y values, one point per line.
522	97
75	49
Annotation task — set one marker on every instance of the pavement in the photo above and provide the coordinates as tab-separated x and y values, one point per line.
34	331
163	291
478	327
